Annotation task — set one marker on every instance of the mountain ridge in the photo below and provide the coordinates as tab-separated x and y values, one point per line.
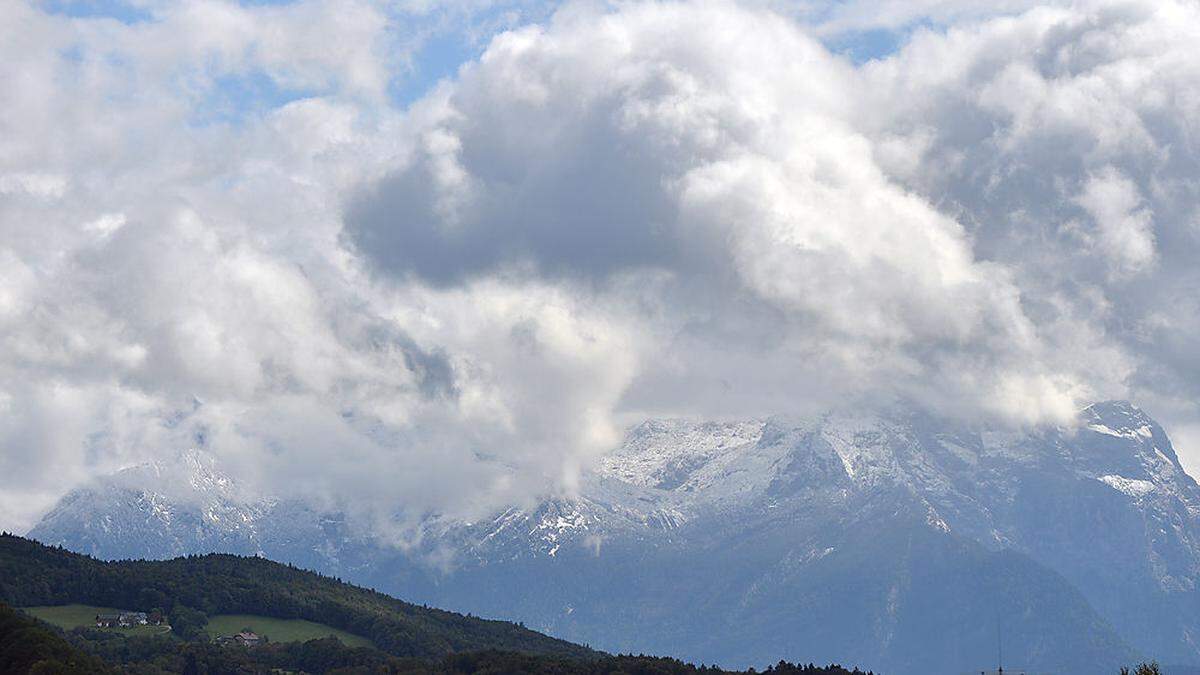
1103	509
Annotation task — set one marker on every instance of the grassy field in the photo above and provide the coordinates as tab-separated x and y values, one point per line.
280	630
277	630
72	616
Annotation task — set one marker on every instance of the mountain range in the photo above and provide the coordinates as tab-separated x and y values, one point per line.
901	541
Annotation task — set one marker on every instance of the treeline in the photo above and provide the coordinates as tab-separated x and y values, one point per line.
507	662
192	588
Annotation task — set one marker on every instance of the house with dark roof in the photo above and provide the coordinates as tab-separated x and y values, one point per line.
246	638
122	620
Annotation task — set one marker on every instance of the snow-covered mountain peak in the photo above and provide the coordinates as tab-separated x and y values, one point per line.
1117	439
1117	409
191	475
174	504
665	454
1118	418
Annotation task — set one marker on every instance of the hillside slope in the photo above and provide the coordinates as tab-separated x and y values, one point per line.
33	574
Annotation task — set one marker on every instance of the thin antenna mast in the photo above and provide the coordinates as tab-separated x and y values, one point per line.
999	645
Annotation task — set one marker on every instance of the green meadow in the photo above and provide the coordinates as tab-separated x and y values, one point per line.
73	616
276	630
280	630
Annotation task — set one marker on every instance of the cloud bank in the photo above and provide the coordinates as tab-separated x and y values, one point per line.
240	241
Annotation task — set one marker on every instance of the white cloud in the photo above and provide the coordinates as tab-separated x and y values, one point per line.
1063	138
1124	228
106	224
646	208
46	186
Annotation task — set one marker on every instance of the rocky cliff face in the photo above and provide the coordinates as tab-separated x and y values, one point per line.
900	542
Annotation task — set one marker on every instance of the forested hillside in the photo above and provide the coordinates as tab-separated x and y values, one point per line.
190	589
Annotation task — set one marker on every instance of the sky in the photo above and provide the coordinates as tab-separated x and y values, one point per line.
434	257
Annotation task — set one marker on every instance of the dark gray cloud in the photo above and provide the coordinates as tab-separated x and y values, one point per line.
546	189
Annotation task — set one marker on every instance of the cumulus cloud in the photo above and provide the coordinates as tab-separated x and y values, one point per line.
218	232
1123	228
1064	140
712	151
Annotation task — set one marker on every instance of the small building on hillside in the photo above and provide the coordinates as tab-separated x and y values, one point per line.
108	620
122	620
246	638
133	619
